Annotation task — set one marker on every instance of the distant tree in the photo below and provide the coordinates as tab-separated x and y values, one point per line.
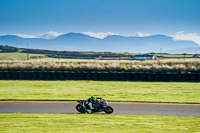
6	49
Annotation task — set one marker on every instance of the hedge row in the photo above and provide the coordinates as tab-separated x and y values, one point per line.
115	76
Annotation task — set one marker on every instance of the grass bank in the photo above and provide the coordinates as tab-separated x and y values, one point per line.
18	56
111	90
84	123
98	65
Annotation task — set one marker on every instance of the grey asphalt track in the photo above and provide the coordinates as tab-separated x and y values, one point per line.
57	107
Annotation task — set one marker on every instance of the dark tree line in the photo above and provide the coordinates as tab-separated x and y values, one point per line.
7	49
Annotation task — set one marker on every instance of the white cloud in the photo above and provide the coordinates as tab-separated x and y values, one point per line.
50	35
187	37
25	35
140	34
100	35
47	35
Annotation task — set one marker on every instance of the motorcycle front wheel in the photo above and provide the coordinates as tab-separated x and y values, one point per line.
108	110
80	108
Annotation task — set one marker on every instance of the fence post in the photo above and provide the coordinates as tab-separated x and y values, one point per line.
108	76
150	76
35	75
164	76
178	77
102	76
122	76
82	76
75	76
61	75
8	75
198	79
48	75
115	76
15	75
172	77
143	76
55	75
88	76
95	75
22	75
69	75
137	76
28	75
185	76
41	75
2	75
129	76
194	77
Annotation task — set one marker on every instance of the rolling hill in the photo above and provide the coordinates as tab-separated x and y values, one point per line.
113	43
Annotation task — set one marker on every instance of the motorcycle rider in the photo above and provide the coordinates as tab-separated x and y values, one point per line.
88	104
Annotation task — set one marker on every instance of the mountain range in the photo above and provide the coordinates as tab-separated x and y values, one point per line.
112	43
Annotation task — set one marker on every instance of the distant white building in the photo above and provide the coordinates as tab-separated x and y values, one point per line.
143	57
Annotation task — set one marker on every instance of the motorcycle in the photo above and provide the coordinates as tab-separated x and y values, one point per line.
100	106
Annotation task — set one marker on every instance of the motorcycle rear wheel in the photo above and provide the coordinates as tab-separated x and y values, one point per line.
80	108
108	110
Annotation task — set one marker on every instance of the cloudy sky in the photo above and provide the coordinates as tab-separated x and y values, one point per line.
99	18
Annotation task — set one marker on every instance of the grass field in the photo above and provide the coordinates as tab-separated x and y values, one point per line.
19	62
110	90
23	56
17	56
84	123
175	55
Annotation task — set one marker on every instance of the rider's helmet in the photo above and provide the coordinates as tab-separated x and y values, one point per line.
93	99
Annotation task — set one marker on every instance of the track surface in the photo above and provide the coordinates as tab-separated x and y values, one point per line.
119	108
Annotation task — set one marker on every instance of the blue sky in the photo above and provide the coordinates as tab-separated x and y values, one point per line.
125	17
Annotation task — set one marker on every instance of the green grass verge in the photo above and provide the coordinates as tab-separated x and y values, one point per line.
84	123
17	56
175	55
186	92
112	61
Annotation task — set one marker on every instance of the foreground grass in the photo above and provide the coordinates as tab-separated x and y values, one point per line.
110	90
73	123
